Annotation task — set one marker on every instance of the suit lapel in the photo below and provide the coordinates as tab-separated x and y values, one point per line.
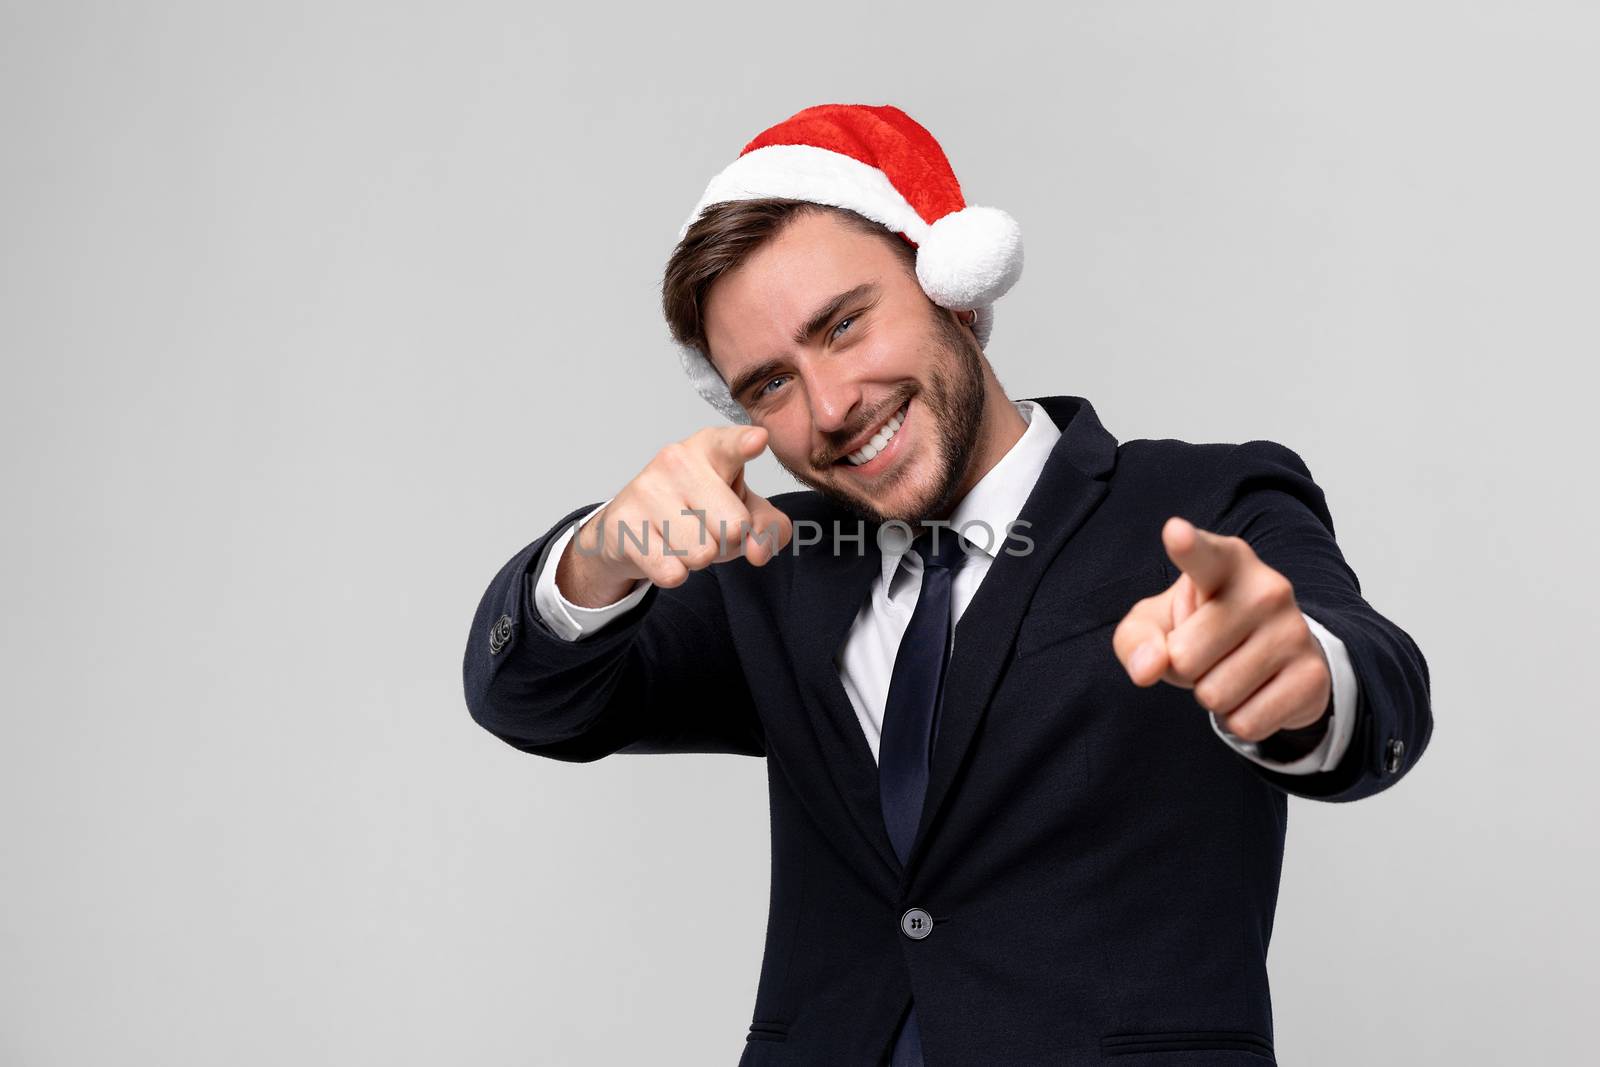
827	590
1069	488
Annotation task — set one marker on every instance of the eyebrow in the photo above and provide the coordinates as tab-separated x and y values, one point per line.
809	329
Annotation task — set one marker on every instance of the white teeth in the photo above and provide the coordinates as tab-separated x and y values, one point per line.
879	440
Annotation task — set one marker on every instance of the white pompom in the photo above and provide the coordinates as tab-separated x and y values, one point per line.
970	257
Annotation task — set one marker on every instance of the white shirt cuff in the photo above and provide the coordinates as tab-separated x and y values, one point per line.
567	620
1341	727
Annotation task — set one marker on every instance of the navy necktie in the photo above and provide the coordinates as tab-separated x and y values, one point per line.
911	721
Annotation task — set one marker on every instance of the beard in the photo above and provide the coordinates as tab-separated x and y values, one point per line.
953	413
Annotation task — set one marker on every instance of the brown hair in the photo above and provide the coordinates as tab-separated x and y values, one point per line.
723	237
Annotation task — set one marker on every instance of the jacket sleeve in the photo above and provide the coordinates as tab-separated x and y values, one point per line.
1267	497
569	621
664	677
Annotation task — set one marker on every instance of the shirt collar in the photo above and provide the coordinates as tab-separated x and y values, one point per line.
997	499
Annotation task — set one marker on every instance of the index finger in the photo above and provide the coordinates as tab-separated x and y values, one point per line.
729	448
1208	559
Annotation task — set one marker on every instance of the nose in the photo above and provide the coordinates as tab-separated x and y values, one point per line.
834	393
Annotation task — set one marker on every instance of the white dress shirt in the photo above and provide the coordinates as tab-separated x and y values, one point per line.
866	660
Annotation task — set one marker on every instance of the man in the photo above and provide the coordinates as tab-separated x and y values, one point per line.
1028	772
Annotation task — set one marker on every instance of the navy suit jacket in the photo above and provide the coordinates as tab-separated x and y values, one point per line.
1101	869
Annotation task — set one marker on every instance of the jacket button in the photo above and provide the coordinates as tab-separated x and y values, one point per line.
916	924
499	635
1397	749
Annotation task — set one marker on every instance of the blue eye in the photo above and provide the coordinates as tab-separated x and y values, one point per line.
841	324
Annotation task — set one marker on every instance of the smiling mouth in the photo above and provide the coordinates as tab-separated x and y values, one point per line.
876	452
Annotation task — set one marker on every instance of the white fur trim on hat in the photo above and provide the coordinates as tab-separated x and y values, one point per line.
709	384
804	172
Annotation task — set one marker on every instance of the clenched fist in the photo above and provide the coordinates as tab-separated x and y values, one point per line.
688	508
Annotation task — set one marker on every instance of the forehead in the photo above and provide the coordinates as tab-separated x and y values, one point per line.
752	312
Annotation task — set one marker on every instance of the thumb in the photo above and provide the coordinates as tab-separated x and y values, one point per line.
1140	640
1149	660
770	528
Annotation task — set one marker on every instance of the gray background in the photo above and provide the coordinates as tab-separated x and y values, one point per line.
313	315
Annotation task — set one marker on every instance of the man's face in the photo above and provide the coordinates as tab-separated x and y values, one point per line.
824	335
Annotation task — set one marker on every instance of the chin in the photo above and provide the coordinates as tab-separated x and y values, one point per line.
908	501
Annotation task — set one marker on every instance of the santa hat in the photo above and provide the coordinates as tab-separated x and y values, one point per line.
877	162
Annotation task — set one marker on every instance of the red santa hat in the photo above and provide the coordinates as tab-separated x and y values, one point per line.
879	163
